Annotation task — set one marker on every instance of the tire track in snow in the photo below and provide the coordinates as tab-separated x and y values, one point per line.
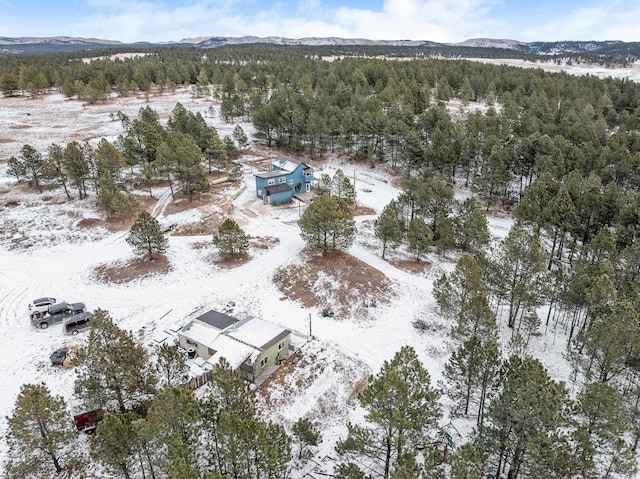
13	306
162	203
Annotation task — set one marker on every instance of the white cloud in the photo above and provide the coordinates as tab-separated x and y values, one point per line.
438	21
607	21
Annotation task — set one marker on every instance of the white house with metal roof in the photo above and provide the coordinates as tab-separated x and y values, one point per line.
249	345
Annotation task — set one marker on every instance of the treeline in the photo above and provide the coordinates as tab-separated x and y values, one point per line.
392	111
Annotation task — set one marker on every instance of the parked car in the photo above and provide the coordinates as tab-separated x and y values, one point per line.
57	357
40	305
86	419
56	313
327	313
76	323
46	301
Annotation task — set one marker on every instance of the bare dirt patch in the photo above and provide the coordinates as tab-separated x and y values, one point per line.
232	262
364	211
297	361
263	242
348	285
206	225
90	223
258	245
315	378
132	270
411	266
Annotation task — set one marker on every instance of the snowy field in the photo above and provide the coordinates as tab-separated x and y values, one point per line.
631	72
44	252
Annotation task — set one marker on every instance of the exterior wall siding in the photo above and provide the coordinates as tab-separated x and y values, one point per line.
294	178
274	355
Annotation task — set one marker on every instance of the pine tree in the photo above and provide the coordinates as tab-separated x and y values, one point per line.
114	444
420	238
273	451
114	201
181	159
175	419
231	240
521	263
327	224
146	237
471	375
488	375
230	150
601	415
462	297
349	471
434	197
559	218
235	173
306	434
468	462
461	375
114	371
608	341
32	164
109	161
444	236
466	92
525	416
76	166
54	168
16	168
387	228
39	437
536	198
474	229
227	409
325	185
170	365
402	409
342	187
240	136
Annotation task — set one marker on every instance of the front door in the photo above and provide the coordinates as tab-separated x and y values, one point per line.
308	187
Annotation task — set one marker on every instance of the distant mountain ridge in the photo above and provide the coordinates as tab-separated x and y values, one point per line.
56	40
29	45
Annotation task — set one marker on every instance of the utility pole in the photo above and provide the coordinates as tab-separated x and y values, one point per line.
354	191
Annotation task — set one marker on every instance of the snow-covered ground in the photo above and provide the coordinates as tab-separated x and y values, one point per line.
63	256
631	72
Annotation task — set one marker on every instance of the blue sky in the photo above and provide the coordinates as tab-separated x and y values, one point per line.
435	20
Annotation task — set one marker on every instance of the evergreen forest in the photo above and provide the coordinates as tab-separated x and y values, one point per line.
558	153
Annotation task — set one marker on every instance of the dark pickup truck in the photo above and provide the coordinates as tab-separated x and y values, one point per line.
56	313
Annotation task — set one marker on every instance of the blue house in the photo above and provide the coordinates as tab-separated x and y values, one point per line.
287	178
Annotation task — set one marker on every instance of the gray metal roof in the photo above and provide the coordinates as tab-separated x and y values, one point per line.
216	319
271	174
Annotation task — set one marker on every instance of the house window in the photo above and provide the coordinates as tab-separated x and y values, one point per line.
264	362
271	182
192	343
282	179
281	346
290	182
